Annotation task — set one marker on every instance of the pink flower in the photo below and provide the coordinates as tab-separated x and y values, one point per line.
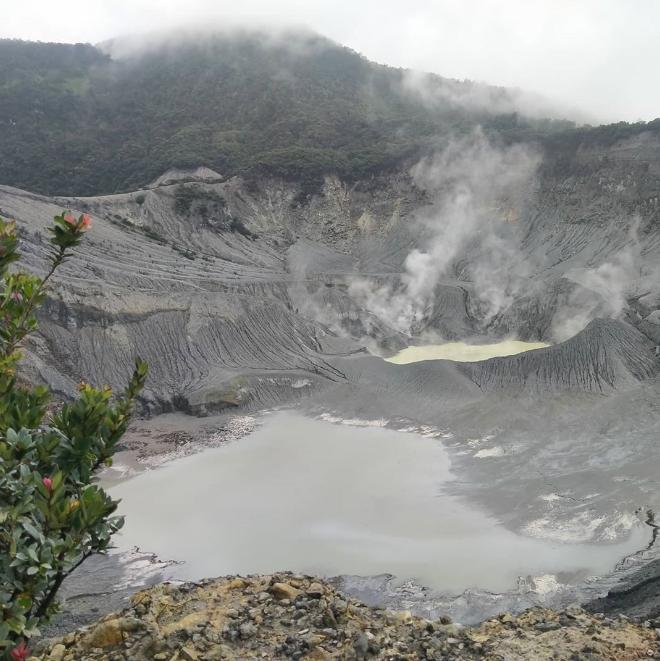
20	652
48	483
85	222
16	296
69	218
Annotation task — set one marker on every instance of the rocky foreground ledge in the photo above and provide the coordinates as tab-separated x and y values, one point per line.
300	617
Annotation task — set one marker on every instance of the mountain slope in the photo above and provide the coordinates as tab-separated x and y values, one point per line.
78	121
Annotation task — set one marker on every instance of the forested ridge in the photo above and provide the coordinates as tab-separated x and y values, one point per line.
75	120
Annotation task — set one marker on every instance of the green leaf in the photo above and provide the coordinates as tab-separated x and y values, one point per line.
47	527
33	531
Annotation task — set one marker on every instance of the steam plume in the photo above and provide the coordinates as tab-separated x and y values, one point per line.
478	191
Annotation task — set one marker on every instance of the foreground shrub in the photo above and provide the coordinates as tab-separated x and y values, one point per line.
52	515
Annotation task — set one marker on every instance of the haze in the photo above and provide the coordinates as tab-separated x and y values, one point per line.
595	56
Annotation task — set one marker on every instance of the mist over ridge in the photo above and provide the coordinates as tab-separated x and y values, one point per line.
596	55
292	104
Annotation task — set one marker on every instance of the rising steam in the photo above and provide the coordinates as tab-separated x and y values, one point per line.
478	191
603	291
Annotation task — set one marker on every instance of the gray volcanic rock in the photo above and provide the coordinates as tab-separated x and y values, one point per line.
606	355
210	311
222	286
292	616
650	326
244	297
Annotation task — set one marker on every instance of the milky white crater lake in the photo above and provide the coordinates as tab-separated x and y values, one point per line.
462	352
310	496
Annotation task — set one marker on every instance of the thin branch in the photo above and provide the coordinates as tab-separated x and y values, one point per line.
22	332
49	598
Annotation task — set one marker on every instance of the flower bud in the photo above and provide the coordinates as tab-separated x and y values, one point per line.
20	652
48	483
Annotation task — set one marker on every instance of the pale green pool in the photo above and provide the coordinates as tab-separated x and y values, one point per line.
462	352
306	495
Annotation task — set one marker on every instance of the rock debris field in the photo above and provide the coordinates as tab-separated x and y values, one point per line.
287	616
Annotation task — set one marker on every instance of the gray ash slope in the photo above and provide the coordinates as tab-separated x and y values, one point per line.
242	297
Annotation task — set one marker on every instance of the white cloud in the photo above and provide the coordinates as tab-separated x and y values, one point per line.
597	55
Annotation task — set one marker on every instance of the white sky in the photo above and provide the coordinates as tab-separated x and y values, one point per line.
597	55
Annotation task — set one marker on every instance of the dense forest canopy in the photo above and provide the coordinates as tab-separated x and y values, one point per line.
75	120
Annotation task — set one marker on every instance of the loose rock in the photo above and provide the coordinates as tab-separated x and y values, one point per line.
229	618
